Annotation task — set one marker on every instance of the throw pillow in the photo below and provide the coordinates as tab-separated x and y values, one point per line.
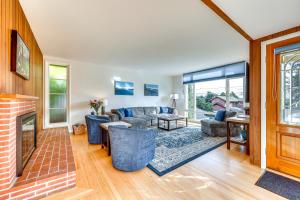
164	110
128	112
171	110
121	112
220	116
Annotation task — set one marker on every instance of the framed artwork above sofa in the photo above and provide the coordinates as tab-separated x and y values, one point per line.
124	88
150	90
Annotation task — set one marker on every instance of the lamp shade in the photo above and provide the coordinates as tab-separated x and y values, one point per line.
174	96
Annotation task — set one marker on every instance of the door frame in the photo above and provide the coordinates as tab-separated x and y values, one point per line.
46	123
271	138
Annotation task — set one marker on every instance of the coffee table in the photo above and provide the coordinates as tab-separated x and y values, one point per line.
104	128
170	118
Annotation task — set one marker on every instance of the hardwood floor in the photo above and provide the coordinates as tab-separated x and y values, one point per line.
220	174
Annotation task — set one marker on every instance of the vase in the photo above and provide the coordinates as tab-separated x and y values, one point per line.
102	110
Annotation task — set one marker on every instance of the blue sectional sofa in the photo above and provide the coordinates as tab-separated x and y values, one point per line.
140	117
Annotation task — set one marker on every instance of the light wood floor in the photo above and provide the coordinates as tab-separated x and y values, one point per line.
220	174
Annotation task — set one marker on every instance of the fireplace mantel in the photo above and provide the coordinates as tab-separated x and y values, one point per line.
9	97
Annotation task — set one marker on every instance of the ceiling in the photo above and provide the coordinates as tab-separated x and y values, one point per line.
167	36
259	18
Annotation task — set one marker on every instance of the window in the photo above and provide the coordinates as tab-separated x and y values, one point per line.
206	98
290	87
56	95
236	94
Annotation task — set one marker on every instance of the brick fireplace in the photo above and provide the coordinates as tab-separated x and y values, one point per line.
39	178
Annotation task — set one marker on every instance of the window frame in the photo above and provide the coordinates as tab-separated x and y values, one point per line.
46	123
227	91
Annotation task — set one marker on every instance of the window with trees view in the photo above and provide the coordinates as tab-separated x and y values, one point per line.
206	98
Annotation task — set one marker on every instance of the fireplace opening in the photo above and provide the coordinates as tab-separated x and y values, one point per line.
26	139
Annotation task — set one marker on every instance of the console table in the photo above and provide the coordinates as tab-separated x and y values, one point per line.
238	140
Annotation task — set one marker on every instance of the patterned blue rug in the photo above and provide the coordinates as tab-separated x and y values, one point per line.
178	147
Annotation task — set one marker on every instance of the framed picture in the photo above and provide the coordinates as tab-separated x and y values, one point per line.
20	56
150	90
124	88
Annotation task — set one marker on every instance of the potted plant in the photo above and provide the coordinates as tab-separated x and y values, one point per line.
96	104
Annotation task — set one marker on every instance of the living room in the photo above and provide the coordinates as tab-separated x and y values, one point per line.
149	99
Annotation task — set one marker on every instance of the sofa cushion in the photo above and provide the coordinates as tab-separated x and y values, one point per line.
135	122
230	114
164	110
121	112
170	110
220	116
150	110
128	112
137	111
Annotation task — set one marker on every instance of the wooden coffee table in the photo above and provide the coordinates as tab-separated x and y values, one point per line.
104	128
169	118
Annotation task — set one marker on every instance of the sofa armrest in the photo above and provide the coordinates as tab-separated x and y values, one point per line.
213	123
113	117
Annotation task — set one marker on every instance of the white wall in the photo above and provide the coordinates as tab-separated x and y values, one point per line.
90	81
263	94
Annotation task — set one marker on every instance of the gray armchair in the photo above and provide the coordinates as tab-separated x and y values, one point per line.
215	128
131	149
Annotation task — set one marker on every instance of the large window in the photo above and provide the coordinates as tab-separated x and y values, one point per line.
206	98
56	95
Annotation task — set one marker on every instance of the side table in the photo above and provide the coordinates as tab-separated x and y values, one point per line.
104	128
238	140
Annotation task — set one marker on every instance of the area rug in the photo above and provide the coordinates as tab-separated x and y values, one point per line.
178	147
280	185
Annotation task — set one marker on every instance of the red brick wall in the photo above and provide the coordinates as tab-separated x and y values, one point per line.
42	188
9	110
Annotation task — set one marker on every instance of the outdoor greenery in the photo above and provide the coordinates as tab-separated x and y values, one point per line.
204	102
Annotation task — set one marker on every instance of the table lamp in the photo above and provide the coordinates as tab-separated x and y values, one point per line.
174	97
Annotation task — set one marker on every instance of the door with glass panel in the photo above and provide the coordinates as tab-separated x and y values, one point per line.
57	95
283	106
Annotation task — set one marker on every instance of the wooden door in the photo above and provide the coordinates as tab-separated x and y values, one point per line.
283	108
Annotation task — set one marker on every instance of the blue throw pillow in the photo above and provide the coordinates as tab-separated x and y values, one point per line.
220	116
128	112
164	110
170	110
121	112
